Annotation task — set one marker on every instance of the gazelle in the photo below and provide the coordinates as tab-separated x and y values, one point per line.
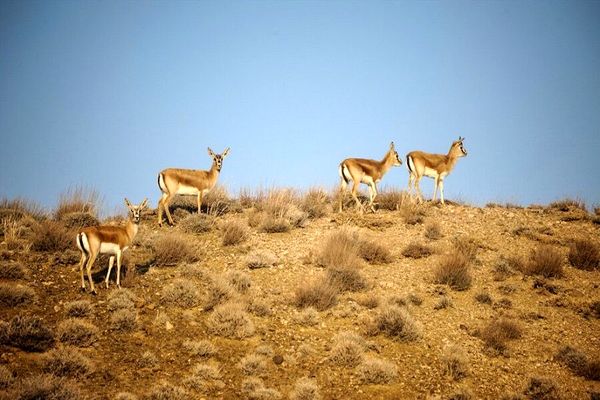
172	181
108	239
436	166
369	172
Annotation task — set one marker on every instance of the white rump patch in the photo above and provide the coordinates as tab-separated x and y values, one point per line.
86	243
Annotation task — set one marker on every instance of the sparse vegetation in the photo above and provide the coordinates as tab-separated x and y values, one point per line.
579	363
319	294
77	332
540	388
230	320
376	371
124	320
393	200
546	261
50	236
166	391
443	302
396	323
12	295
316	203
78	200
305	389
202	348
253	365
234	232
219	292
261	259
497	332
346	278
483	298
241	281
197	223
347	349
12	271
453	270
78	308
47	386
66	361
27	333
433	231
182	293
455	362
417	250
567	204
173	249
584	254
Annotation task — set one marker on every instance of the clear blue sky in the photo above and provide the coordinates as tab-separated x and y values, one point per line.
107	93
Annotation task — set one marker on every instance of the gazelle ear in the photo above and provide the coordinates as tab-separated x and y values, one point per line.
144	203
460	138
210	152
127	203
225	153
392	145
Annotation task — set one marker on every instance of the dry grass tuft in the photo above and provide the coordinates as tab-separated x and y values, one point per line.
219	292
579	363
173	249
540	388
259	307
77	332
19	208
455	362
341	248
305	389
77	200
316	203
319	294
12	295
254	389
272	224
240	281
230	320
567	204
466	246
261	259
375	252
47	387
125	396
253	365
433	231
346	278
120	299
78	308
369	300
50	236
376	371
78	220
394	322
443	302
546	261
483	298
197	223
12	271
347	349
393	200
182	293
584	254
6	377
166	391
202	348
417	250
66	361
497	332
505	267
147	360
453	270
124	320
27	333
234	232
308	317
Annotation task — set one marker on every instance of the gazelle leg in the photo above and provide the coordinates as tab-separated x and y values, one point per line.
88	268
84	258
161	205
200	195
166	202
355	184
435	188
418	187
411	179
119	257
373	193
442	190
343	186
111	262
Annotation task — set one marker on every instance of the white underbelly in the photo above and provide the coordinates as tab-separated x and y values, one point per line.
367	179
110	248
430	172
187	190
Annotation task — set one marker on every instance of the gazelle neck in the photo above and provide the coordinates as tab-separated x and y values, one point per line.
214	169
387	162
132	229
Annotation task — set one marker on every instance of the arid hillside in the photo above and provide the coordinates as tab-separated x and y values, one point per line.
274	295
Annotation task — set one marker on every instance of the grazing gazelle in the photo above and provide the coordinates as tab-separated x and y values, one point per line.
172	181
108	239
436	166
369	172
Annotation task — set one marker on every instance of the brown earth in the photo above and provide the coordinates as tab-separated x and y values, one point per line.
552	314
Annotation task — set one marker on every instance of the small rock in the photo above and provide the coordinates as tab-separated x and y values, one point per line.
168	325
278	359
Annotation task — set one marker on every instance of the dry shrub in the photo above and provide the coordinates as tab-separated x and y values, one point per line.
197	223
412	214
584	254
259	307
376	371
78	199
240	281
182	293
234	232
394	322
455	362
461	394
272	224
78	308
504	267
230	320
147	360
497	332
453	270
261	259
253	364
433	231
201	348
125	396
443	302
217	202
466	246
392	200
417	250
484	298
341	248
15	232
19	208
308	316
28	333
546	261
254	389
540	388
66	361
370	301
120	299
166	391
374	252
219	292
568	204
6	377
50	387
173	249
316	203
579	363
123	320
305	389
78	220
347	349
51	236
414	299
206	371
319	294
346	278
12	295
77	332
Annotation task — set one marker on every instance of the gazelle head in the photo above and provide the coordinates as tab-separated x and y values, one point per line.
218	158
457	148
135	212
393	154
